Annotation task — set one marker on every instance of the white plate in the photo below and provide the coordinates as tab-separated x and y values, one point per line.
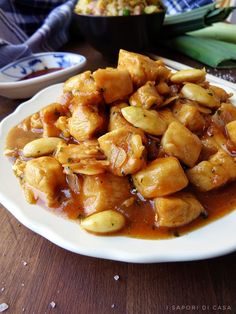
217	238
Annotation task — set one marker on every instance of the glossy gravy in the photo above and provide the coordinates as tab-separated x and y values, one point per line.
141	212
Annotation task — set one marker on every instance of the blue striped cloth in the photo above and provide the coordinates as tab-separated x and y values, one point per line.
28	26
178	6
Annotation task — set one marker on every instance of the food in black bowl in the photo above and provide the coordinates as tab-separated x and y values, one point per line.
111	25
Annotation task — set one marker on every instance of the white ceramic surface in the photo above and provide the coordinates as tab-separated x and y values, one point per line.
214	239
10	75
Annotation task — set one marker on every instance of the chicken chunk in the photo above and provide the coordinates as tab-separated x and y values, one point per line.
62	124
104	192
189	116
141	68
214	173
214	139
115	84
225	114
84	89
49	115
19	168
231	130
177	210
84	158
44	176
124	150
86	121
117	120
220	93
209	148
163	88
206	176
146	96
78	82
162	176
75	152
178	141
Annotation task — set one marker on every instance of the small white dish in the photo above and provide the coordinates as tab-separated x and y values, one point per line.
12	85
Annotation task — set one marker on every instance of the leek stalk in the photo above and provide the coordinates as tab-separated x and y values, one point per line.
212	52
219	31
179	24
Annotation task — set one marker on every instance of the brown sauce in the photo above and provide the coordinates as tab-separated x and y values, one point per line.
18	138
141	215
40	73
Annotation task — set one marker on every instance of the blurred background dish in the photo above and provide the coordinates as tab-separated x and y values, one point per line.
141	25
118	8
24	77
108	34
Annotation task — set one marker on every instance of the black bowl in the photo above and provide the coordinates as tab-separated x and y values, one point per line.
108	34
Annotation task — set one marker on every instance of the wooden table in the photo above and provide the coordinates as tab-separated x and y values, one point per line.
35	272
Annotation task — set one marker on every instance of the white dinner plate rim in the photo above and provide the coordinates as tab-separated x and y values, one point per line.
202	243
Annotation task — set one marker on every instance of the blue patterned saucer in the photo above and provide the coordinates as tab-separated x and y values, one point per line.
12	84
